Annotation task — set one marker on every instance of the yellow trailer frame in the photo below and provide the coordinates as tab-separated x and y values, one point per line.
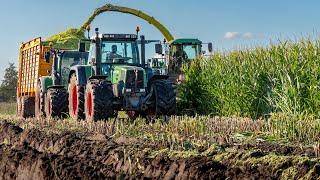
32	65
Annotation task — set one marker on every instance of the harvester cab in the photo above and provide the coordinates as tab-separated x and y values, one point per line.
115	79
179	52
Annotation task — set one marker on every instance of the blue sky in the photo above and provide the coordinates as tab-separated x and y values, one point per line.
229	24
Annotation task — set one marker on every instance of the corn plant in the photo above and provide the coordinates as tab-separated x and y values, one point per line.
255	83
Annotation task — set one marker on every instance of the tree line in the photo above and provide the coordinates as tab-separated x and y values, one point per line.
9	84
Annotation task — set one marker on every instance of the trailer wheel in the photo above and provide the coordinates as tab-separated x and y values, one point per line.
18	107
99	100
39	102
56	103
76	99
164	99
27	107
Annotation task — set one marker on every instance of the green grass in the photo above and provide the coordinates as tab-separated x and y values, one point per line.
7	108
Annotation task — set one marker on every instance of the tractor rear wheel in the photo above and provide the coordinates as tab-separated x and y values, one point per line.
76	99
56	103
39	102
164	99
27	107
99	100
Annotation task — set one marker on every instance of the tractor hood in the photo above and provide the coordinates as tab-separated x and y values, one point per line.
127	67
128	78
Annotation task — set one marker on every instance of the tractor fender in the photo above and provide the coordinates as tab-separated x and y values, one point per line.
45	81
83	73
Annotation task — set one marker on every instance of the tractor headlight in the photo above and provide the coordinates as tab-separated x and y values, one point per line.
128	90
143	90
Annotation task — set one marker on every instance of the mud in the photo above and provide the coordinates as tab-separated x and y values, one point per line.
33	154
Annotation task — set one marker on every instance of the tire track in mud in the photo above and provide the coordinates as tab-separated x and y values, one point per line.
33	154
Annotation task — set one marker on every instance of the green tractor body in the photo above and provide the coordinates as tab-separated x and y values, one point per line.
52	92
65	60
115	78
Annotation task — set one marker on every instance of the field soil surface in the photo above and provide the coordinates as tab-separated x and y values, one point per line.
34	154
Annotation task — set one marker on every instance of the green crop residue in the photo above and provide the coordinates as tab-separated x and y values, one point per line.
289	173
270	160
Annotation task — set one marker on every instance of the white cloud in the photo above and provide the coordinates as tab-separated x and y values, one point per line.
238	35
232	35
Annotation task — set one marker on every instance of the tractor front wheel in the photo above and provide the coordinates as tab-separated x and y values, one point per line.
164	100
56	103
99	100
133	115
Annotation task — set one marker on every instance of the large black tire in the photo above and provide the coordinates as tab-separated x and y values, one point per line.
56	103
99	100
39	102
27	107
164	99
76	99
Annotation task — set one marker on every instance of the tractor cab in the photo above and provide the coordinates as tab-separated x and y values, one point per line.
67	59
183	51
116	51
186	49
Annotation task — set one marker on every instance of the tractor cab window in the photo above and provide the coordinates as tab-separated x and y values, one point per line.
182	53
191	51
185	52
69	59
119	52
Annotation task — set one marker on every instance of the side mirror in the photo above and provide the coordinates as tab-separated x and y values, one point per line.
158	48
82	47
47	57
210	47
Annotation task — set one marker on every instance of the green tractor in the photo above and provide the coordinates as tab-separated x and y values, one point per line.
115	78
51	98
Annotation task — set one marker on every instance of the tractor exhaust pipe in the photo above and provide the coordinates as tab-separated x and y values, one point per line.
54	74
143	50
97	63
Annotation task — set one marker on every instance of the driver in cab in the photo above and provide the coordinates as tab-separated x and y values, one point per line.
114	56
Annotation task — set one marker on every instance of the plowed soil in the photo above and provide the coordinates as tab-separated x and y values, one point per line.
33	154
